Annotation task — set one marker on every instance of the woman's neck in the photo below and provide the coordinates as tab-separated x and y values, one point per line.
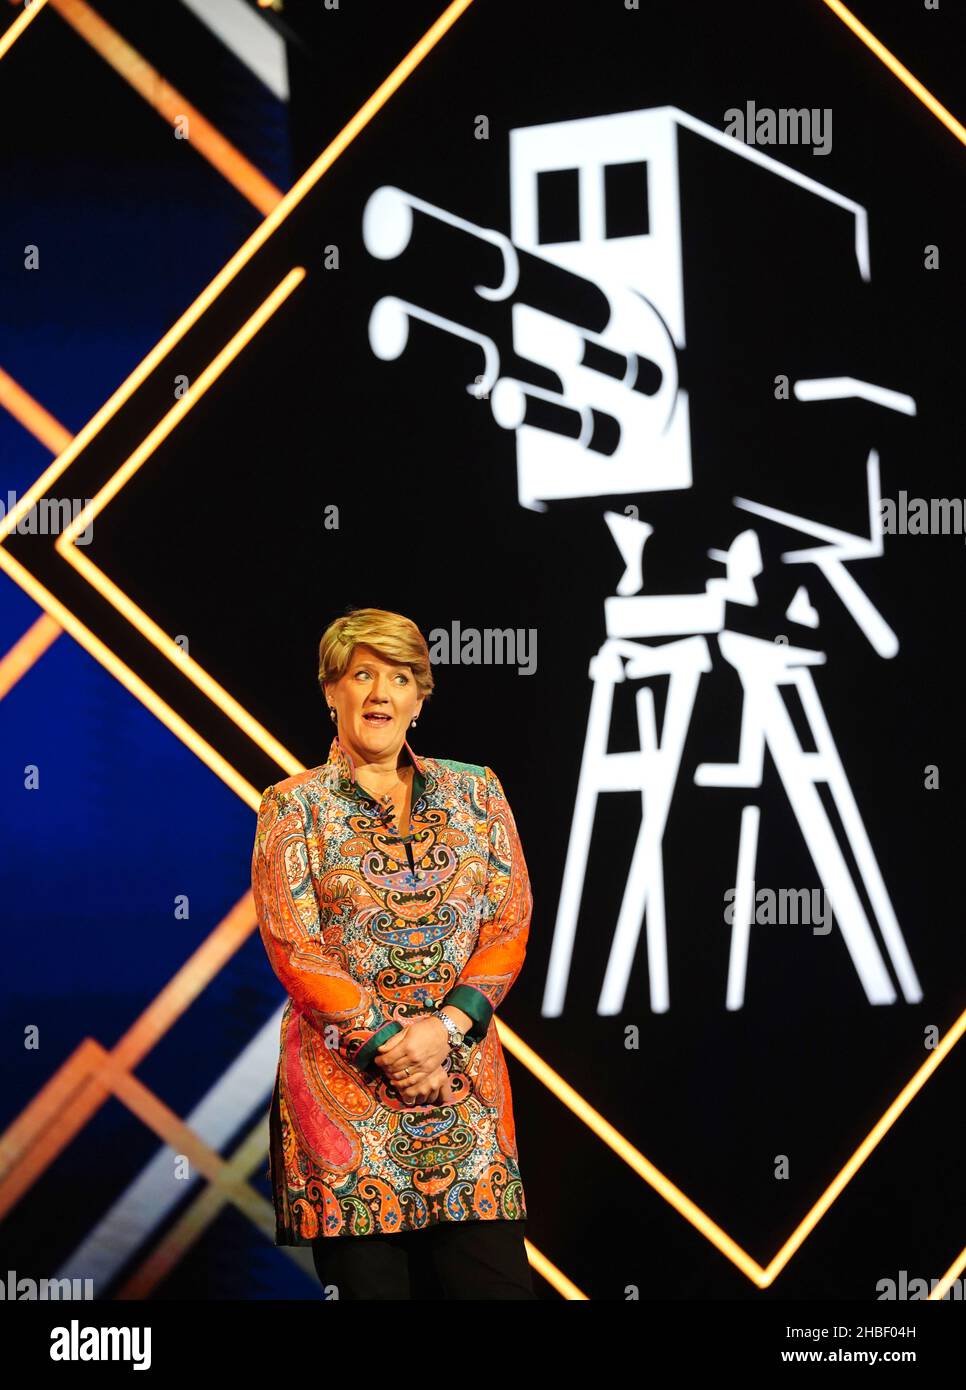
393	765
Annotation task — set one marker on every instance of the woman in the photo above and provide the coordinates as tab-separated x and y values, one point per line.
394	904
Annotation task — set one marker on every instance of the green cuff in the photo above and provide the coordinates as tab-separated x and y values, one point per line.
368	1050
474	1003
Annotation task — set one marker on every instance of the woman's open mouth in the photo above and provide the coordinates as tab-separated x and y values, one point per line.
378	718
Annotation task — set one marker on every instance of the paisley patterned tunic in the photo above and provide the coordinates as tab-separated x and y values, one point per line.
365	927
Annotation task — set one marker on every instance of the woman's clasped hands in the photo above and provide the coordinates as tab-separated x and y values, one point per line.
412	1060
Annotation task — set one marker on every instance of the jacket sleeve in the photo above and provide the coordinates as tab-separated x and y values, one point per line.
316	976
504	921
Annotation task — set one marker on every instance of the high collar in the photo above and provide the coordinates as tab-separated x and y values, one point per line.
341	759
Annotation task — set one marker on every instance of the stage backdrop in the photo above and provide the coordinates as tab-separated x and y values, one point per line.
619	347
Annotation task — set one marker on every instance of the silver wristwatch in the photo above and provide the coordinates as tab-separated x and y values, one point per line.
456	1038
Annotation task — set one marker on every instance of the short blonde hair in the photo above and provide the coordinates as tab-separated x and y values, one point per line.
390	635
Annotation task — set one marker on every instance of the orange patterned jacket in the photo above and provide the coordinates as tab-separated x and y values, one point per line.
365	927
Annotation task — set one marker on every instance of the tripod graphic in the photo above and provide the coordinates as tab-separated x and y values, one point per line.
763	667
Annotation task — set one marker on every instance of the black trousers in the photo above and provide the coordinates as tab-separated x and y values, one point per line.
464	1259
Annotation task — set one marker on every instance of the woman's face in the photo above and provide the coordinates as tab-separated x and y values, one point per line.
372	687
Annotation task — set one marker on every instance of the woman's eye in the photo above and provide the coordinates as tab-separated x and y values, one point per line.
399	677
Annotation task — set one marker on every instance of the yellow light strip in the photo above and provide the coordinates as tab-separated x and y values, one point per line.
170	104
58	1111
894	66
28	649
13	32
32	415
949	1278
902	1100
51	433
132	682
245	252
173	417
181	407
555	1277
204	1210
631	1156
116	596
